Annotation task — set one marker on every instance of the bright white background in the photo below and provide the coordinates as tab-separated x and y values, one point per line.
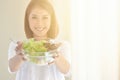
95	39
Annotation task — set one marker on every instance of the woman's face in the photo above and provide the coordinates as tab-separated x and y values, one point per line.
39	22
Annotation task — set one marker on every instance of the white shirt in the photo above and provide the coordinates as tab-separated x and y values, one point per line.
30	71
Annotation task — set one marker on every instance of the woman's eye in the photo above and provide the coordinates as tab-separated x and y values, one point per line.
34	17
45	17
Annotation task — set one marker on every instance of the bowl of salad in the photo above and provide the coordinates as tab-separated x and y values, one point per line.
40	52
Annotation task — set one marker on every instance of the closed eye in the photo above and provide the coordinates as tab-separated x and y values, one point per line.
45	17
34	17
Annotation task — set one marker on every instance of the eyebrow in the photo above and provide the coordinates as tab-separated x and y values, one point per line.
33	14
38	14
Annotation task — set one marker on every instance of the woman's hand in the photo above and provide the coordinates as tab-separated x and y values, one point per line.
62	64
60	61
54	55
16	61
18	50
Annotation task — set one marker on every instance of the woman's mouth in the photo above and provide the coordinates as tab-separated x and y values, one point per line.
40	29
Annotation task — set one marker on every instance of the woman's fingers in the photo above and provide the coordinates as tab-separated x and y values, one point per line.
50	62
55	54
21	56
19	46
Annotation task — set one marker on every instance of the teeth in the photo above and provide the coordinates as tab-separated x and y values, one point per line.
40	29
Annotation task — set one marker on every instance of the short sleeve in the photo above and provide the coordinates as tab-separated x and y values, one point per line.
65	49
11	53
11	50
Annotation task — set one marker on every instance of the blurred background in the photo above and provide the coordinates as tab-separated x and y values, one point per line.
91	26
95	31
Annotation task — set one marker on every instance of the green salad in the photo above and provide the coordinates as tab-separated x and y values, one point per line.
35	50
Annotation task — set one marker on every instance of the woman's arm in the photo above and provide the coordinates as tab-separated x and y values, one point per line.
63	59
18	58
62	64
15	62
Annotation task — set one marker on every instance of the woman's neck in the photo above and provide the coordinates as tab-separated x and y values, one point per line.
37	38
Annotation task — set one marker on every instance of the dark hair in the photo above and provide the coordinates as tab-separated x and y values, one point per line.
45	4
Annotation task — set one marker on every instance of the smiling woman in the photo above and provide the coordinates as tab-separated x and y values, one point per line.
12	22
40	24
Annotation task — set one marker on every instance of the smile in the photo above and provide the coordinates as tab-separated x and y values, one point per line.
40	29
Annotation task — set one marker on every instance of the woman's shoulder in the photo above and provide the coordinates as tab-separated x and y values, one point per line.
11	44
63	42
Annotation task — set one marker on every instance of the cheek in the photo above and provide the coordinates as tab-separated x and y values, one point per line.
48	26
48	23
31	23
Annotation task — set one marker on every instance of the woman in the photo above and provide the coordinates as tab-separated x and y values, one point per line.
40	23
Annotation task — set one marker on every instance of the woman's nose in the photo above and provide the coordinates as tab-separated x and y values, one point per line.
39	22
